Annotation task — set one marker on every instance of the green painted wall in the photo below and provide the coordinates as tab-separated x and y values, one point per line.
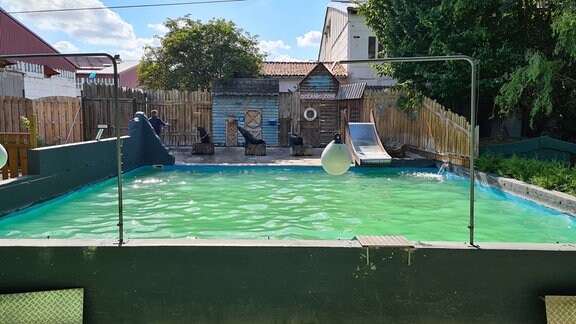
56	170
219	284
543	148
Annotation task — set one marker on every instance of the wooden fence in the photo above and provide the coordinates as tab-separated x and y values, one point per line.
99	109
183	111
11	108
17	145
58	119
431	130
288	116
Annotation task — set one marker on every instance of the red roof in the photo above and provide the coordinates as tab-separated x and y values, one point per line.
15	38
286	69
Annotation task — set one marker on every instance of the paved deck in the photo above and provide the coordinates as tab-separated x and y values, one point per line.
274	156
235	155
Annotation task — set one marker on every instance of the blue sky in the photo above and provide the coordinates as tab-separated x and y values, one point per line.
288	30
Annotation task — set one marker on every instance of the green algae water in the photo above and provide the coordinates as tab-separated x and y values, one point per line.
290	203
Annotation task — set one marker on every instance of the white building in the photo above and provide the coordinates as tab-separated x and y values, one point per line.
345	36
32	77
43	81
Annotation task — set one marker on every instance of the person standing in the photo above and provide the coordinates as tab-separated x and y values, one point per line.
156	122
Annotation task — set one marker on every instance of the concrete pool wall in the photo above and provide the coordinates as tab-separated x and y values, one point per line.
56	170
243	281
559	201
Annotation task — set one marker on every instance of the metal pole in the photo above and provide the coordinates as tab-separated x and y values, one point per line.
473	109
472	146
117	107
118	157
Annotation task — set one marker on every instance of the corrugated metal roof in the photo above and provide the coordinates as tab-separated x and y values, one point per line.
344	6
15	38
107	69
351	91
90	63
245	86
287	69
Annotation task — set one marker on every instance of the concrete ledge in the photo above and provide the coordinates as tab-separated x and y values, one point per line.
552	199
87	243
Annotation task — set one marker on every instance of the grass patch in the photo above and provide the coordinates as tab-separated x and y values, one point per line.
551	175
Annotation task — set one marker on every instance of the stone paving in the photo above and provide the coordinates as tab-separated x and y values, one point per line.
235	155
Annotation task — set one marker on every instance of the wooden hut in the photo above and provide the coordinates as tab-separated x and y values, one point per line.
319	116
350	100
249	103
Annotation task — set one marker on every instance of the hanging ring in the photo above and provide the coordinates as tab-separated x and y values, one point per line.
307	115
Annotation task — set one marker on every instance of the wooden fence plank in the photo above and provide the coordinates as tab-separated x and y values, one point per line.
438	132
16	144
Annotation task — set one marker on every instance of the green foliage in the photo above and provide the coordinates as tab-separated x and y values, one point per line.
531	86
564	28
486	30
409	100
192	54
548	175
526	51
25	123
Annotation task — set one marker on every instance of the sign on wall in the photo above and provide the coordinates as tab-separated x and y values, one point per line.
318	95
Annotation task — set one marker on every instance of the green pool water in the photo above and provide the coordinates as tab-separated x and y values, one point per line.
290	203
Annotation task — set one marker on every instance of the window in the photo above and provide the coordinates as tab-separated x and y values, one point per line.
372	47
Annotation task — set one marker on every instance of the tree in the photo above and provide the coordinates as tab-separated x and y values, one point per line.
191	54
525	49
545	84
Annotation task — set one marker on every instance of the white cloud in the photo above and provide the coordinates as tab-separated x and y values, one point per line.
311	38
282	58
94	27
273	46
159	28
65	47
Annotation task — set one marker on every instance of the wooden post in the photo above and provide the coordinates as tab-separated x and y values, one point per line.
255	149
203	148
33	139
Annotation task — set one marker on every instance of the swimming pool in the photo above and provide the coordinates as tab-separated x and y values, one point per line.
266	202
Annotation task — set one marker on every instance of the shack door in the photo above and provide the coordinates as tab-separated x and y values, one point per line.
329	121
310	128
253	122
231	132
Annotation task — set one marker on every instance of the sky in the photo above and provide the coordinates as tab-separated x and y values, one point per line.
287	30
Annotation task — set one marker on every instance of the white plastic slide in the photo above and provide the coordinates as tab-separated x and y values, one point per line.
367	146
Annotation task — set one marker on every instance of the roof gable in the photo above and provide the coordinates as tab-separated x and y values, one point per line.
319	79
299	69
15	38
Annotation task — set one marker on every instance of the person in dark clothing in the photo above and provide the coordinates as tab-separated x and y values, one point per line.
156	122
